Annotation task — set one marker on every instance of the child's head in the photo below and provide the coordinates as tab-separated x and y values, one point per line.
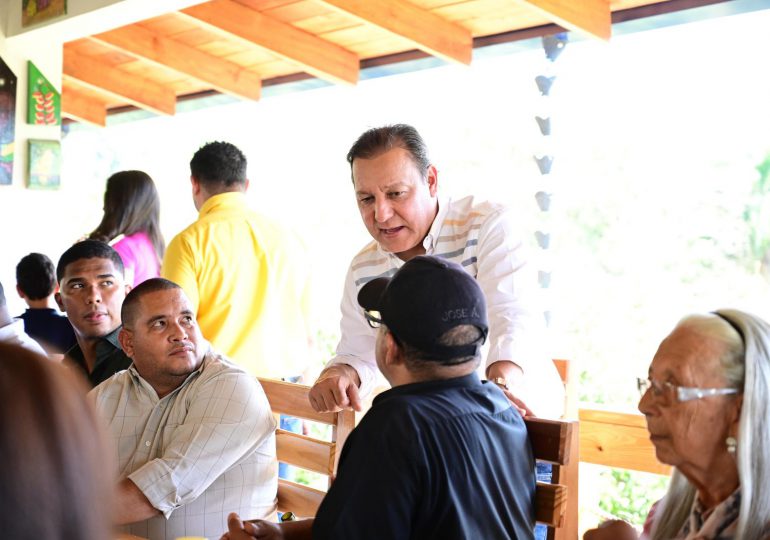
35	277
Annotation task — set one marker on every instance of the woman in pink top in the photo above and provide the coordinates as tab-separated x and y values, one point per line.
131	224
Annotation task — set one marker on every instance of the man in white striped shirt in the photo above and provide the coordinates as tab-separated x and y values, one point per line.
193	433
396	187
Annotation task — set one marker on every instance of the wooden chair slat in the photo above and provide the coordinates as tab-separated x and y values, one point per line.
305	452
550	503
550	439
303	501
291	399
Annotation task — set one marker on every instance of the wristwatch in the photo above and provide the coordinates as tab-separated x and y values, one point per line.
501	382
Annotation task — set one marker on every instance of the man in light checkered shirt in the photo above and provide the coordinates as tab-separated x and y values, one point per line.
193	433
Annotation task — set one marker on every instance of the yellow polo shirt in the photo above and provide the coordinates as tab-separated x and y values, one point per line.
248	280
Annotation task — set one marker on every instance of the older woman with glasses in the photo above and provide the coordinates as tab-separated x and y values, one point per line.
707	406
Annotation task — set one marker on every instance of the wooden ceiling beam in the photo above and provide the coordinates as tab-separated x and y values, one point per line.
318	57
224	76
426	30
118	84
591	17
77	106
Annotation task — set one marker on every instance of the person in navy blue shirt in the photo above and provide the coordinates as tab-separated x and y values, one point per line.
36	285
442	454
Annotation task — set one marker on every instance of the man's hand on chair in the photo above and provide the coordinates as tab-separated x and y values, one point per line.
336	389
508	376
267	530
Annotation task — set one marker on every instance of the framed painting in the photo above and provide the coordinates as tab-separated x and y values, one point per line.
7	122
43	101
35	11
44	164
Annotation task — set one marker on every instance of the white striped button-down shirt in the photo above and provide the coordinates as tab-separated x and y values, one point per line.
480	236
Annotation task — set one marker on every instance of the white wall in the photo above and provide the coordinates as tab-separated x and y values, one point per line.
42	44
46	221
16	55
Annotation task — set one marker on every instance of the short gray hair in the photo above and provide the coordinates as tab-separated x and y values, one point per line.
464	334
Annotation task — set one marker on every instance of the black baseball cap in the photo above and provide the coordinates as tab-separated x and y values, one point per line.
427	297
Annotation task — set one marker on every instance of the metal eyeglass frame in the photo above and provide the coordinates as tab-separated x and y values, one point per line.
373	317
683	393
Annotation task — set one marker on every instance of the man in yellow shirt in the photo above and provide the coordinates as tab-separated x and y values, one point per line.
246	276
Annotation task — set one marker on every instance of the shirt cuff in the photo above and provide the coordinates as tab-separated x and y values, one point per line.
154	481
366	372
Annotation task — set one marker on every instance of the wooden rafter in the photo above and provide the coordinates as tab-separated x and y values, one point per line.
428	31
315	55
232	45
77	106
121	85
592	17
222	75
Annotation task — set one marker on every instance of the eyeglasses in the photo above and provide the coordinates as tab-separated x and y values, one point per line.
373	317
669	393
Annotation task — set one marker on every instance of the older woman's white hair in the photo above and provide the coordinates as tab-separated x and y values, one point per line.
746	364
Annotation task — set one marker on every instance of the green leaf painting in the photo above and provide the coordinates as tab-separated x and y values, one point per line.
43	101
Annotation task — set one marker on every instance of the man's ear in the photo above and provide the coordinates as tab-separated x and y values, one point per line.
126	339
196	185
20	293
432	180
394	355
57	297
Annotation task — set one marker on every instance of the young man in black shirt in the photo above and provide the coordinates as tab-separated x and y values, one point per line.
91	292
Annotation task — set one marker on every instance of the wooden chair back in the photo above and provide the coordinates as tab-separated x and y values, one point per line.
552	442
559	507
304	451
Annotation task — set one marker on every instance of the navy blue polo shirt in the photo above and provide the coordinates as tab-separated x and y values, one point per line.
445	459
49	328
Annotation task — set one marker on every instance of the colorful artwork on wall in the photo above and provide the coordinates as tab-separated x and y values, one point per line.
43	101
7	122
44	164
35	11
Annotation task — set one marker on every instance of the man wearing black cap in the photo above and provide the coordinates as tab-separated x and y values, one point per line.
441	454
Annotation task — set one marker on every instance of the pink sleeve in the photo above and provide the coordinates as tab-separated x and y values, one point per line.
123	249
